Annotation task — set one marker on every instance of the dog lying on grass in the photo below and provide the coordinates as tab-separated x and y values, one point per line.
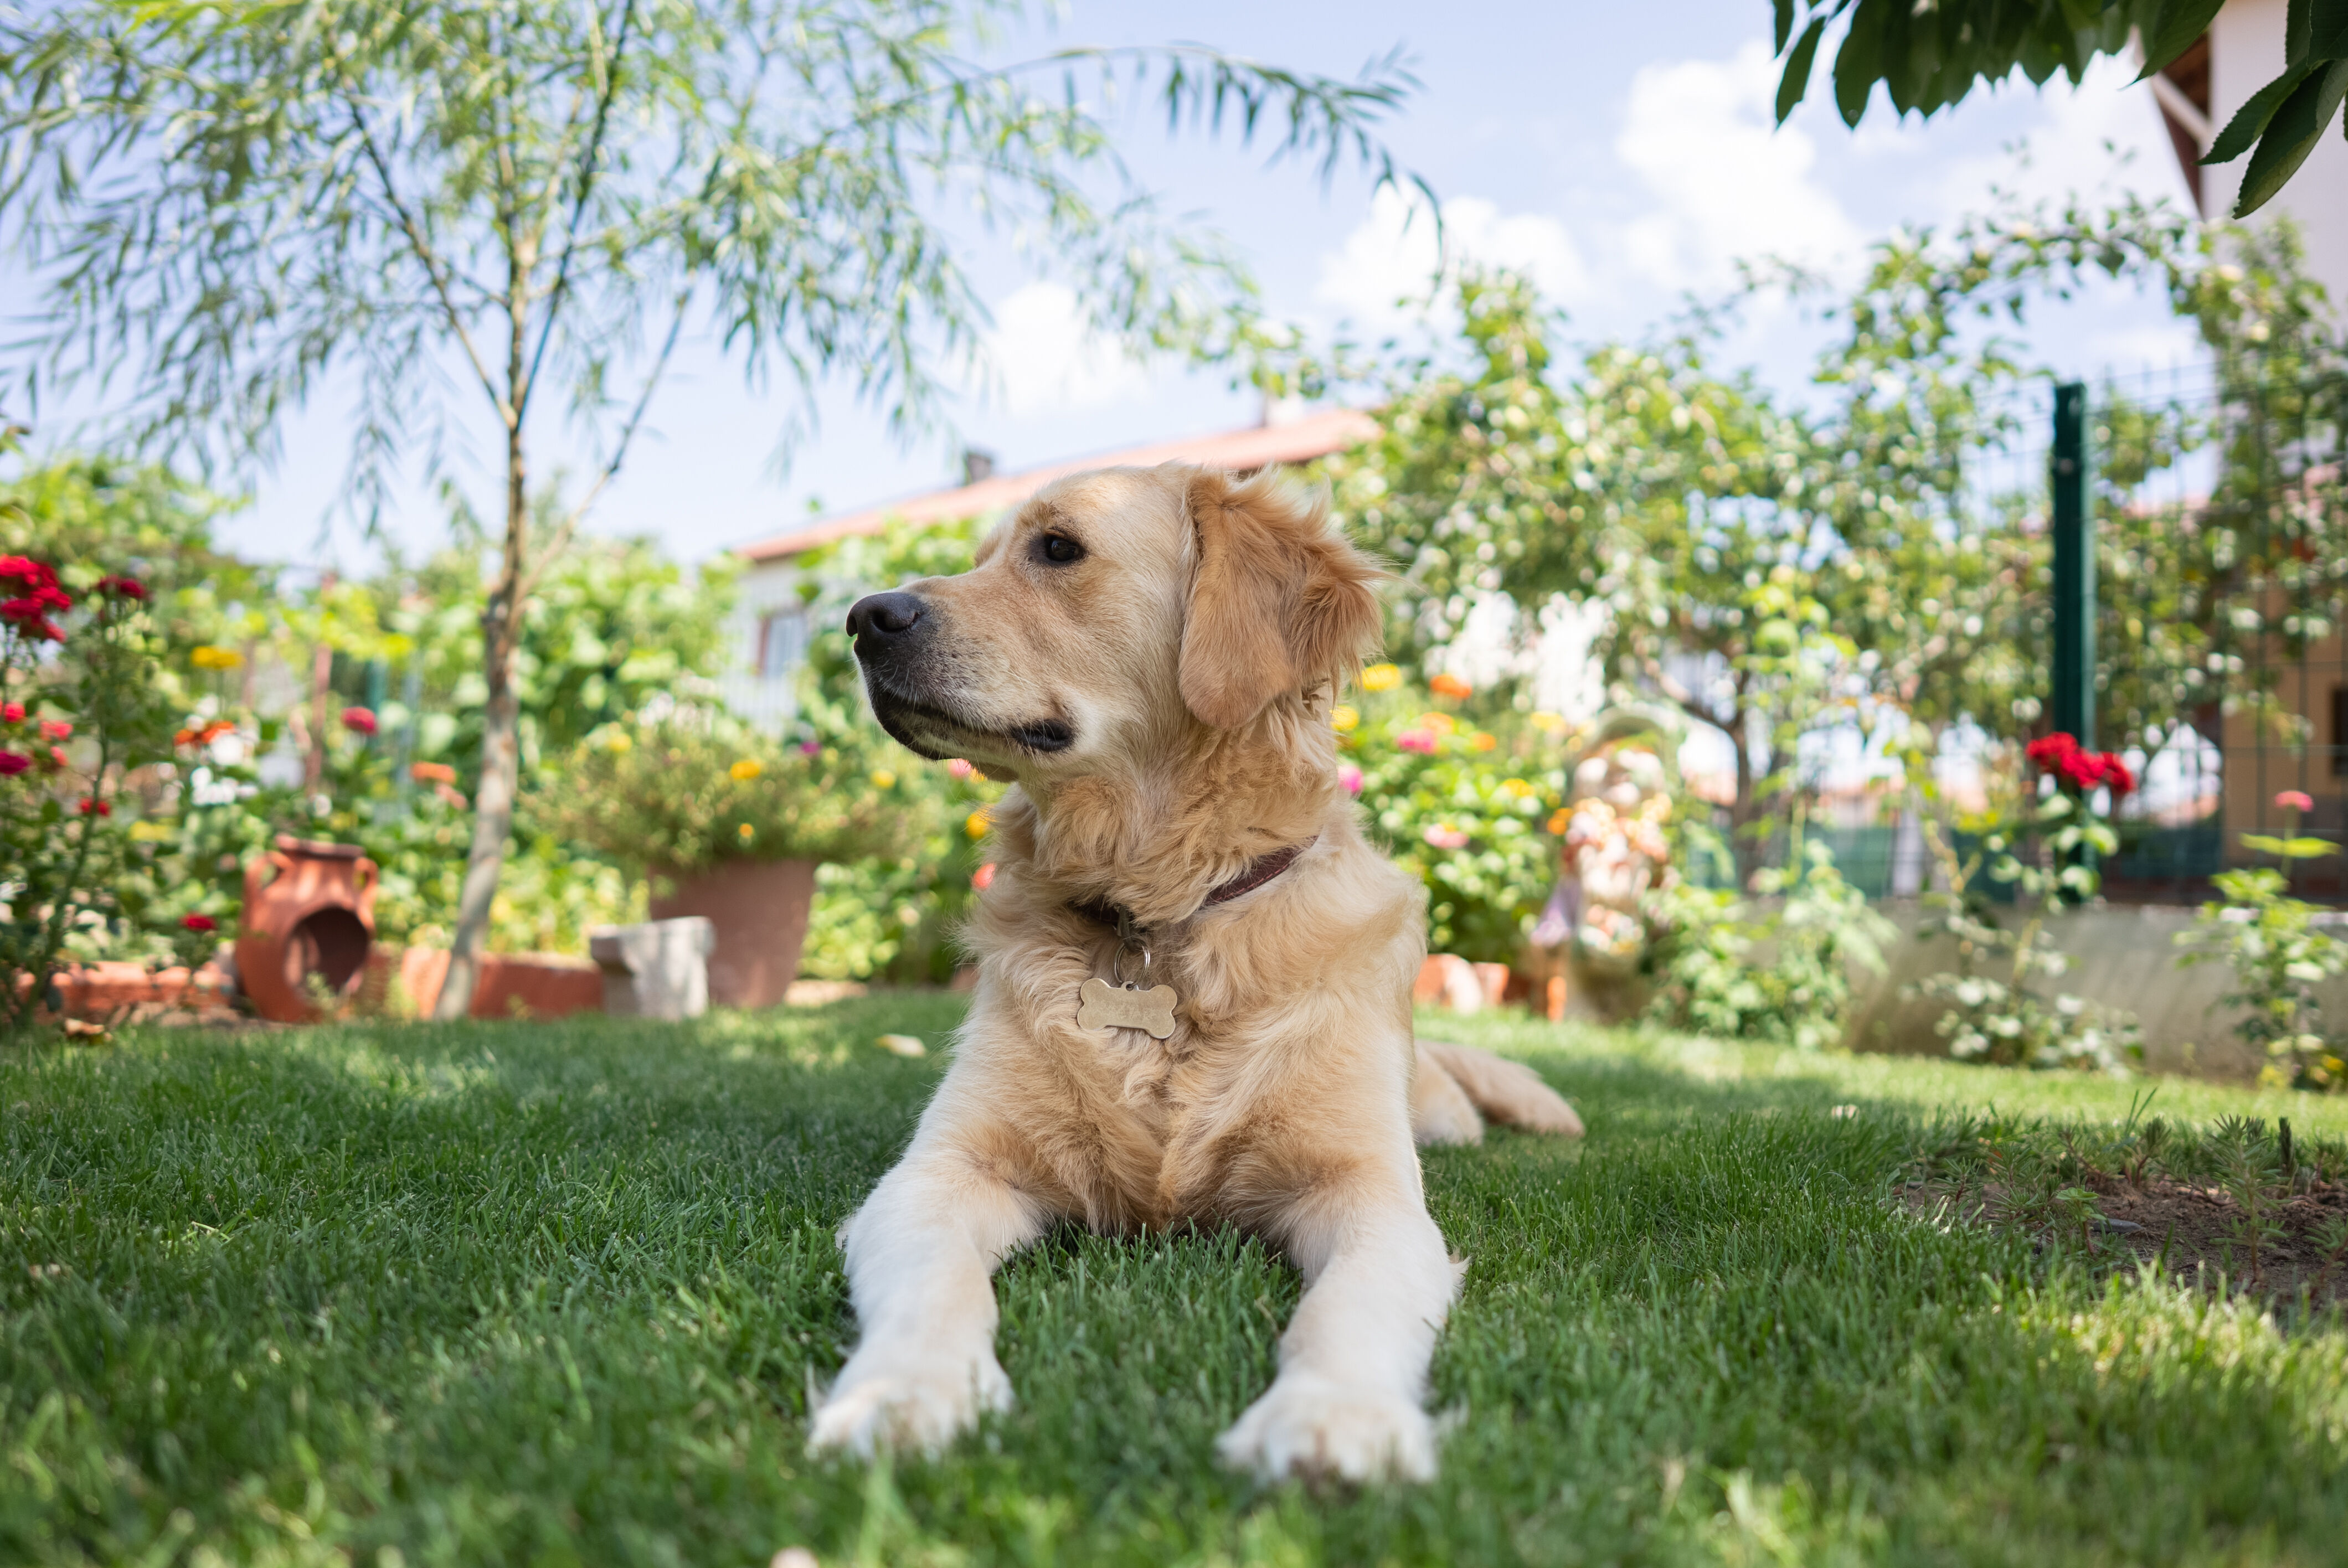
1194	973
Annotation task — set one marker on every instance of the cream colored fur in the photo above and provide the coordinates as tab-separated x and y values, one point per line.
1194	651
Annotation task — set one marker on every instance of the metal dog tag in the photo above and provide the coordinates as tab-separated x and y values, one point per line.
1101	1005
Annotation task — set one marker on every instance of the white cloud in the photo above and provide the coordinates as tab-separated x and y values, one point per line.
1391	254
1727	182
1049	360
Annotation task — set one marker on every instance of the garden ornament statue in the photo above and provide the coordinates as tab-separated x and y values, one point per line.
1614	855
309	922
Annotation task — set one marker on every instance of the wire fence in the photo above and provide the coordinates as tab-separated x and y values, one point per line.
2221	519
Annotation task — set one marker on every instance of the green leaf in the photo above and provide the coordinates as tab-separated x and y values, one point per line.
2328	30
2292	135
1796	79
1785	12
1859	63
2290	848
2172	32
2251	120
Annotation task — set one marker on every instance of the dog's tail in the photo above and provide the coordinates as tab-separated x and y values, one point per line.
1456	1081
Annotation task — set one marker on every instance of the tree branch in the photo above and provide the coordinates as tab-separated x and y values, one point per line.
430	259
587	173
561	539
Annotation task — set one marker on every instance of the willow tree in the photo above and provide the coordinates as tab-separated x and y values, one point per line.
483	217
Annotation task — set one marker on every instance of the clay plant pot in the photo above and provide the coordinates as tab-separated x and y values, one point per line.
309	920
759	911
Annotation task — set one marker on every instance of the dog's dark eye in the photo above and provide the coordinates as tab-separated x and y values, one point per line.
1058	549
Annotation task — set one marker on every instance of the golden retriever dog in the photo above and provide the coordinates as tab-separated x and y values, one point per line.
1194	972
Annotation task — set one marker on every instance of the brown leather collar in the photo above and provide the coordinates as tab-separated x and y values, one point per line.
1255	875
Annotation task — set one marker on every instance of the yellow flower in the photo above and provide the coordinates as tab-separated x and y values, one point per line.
1381	678
976	823
748	832
1548	723
1343	719
1484	742
747	769
210	657
883	778
618	742
1515	789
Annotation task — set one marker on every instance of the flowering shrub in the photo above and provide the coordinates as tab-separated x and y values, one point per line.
2048	858
1476	822
695	787
80	707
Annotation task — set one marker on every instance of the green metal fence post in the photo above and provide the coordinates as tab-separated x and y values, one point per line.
2074	569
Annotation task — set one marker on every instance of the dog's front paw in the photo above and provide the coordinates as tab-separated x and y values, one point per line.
919	1404
1307	1424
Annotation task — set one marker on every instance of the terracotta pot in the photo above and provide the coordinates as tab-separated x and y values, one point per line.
759	908
309	920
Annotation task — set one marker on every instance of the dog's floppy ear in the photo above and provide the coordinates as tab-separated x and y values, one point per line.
1279	600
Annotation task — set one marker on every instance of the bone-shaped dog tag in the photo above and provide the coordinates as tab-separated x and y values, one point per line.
1101	1005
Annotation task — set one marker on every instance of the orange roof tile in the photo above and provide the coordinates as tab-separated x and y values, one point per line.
1257	447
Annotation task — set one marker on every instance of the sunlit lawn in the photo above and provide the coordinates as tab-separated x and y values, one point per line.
556	1293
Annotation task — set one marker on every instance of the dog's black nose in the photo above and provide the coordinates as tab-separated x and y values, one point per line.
884	615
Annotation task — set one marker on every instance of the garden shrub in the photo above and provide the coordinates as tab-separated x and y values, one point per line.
2277	954
1780	972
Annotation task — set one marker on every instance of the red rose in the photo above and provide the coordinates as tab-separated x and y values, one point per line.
123	586
11	765
96	808
2117	775
199	923
56	730
359	721
34	578
12	713
2048	751
57	756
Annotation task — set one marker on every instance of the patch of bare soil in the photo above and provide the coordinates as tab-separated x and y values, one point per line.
2196	1233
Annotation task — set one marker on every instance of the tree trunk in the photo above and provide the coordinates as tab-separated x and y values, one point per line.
500	748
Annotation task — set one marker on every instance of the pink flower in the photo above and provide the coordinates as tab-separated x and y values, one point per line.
810	748
359	721
957	767
12	713
1351	777
984	877
1443	835
1421	740
199	923
56	730
11	765
2294	800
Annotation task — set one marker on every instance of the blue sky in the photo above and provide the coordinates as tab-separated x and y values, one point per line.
1621	153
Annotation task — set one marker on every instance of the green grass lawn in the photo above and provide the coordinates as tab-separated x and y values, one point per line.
557	1293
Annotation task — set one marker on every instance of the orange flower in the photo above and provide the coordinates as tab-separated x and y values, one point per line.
1450	685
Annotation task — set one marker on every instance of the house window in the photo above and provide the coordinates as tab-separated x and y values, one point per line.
782	642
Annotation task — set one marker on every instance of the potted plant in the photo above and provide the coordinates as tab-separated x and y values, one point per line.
729	822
